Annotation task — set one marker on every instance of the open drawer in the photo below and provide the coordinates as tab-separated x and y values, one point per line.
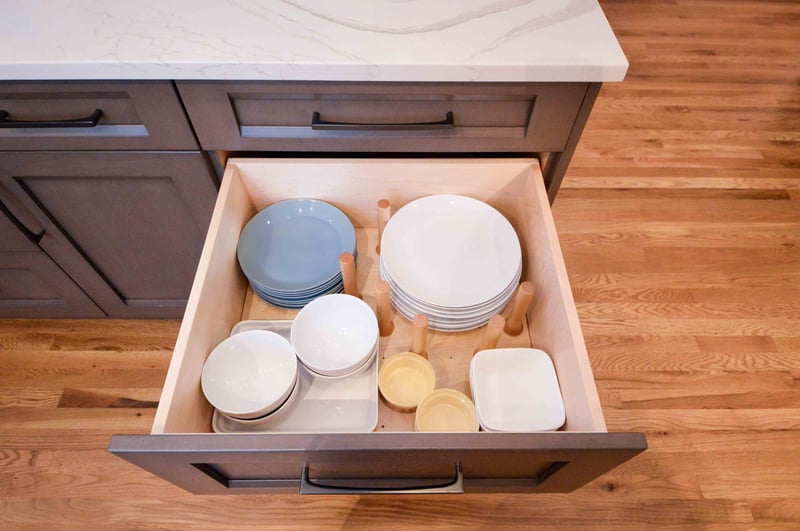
183	449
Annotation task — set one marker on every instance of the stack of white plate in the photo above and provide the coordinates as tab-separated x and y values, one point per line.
452	258
290	251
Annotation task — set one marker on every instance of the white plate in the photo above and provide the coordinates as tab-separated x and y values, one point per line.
450	250
323	405
445	325
455	313
516	389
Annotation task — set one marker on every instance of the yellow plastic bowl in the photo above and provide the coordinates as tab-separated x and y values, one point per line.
446	410
405	379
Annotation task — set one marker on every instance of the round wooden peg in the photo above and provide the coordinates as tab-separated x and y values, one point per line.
522	301
494	329
384	211
348	264
419	335
384	308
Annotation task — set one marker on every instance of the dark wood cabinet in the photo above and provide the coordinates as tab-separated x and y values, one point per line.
128	227
44	115
391	117
111	176
31	284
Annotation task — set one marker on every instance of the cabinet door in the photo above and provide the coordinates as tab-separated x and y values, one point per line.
31	284
130	225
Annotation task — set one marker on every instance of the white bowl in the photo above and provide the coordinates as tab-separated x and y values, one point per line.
272	416
356	371
405	379
446	410
335	334
249	374
516	389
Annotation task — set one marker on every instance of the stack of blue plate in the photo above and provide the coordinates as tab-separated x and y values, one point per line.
290	251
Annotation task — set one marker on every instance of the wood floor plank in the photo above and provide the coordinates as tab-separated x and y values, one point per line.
745	420
352	512
87	473
28	397
68	334
675	362
89	428
776	511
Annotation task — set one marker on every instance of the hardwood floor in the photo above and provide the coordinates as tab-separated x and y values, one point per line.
680	225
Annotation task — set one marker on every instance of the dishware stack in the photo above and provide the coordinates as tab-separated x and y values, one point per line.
335	336
516	389
290	251
452	258
251	376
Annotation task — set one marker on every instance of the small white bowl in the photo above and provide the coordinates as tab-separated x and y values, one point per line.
516	389
250	374
334	335
355	372
272	416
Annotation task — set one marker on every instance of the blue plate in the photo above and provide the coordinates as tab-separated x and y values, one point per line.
295	304
299	294
294	245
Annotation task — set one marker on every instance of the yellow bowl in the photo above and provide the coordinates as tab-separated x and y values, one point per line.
405	379
446	410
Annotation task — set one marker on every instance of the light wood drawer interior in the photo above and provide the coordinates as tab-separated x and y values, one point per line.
221	297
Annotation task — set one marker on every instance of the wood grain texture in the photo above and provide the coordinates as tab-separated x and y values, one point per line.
679	223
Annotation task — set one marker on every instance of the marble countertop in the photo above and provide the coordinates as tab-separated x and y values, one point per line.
345	40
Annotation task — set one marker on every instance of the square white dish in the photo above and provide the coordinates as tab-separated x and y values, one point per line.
516	390
324	405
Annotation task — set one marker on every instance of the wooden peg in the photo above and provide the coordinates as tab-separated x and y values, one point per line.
494	328
384	308
419	335
348	265
384	211
522	301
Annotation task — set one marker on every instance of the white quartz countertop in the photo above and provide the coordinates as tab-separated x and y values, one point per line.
342	40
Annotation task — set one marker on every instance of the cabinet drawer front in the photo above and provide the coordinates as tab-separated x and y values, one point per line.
61	115
182	448
391	117
403	462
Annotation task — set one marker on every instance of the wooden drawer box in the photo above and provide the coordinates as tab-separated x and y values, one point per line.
382	117
182	449
58	115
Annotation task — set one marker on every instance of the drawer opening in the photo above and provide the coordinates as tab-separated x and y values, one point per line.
221	298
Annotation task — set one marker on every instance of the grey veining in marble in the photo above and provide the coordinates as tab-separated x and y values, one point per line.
359	40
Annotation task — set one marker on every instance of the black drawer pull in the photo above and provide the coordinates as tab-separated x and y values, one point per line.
454	486
89	121
318	124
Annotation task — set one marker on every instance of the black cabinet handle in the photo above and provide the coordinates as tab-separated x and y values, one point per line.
89	121
318	124
454	486
34	237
